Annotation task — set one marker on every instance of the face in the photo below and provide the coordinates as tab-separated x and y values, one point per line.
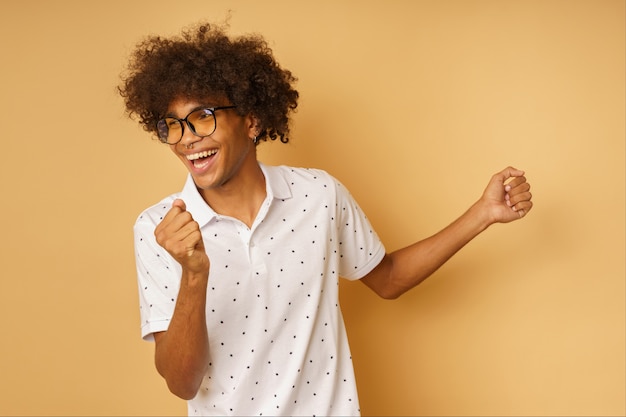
219	160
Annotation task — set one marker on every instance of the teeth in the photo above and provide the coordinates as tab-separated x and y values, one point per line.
199	155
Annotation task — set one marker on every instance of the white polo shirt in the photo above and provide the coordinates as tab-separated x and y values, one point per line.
278	344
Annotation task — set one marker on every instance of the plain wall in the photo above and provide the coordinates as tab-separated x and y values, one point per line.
413	105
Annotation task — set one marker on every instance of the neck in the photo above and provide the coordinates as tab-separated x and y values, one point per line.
240	198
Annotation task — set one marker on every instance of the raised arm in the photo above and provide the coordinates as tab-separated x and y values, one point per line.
181	353
506	198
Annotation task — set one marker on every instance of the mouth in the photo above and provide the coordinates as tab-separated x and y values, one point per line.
201	159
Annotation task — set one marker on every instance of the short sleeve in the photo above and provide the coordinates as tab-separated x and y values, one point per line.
360	248
158	274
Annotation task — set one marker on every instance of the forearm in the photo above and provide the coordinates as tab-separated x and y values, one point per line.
417	262
181	354
405	268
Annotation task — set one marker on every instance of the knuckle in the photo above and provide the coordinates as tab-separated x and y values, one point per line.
158	234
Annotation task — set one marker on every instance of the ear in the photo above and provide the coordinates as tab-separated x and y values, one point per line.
253	125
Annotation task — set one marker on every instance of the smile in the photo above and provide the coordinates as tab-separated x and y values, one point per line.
201	160
200	155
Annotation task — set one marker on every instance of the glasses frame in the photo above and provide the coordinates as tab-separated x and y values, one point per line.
192	129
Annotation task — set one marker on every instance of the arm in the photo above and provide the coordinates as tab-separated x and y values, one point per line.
506	198
181	353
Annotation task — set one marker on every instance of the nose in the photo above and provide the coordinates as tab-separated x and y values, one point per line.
189	137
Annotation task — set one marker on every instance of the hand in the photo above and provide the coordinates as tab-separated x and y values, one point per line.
179	234
507	196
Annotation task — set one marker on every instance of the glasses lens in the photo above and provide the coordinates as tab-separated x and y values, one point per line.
169	130
202	122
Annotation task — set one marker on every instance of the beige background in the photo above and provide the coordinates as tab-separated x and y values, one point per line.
413	105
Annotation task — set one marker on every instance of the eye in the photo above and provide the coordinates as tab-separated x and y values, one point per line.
203	114
172	123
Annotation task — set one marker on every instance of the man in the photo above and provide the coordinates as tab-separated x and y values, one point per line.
238	273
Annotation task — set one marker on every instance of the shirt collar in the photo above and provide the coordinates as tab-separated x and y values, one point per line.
275	183
276	187
199	209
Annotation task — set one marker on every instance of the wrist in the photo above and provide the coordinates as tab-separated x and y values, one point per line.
193	277
480	214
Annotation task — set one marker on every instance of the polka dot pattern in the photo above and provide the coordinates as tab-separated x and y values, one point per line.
277	340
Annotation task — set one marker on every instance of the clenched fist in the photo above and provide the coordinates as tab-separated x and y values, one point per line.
508	196
179	234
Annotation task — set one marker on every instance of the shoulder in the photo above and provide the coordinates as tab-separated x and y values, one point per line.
153	215
299	175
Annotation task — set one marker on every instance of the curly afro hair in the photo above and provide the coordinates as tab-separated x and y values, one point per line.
205	63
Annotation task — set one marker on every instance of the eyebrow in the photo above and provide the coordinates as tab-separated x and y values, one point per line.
172	115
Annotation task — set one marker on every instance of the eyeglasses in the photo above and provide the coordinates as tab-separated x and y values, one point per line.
201	122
